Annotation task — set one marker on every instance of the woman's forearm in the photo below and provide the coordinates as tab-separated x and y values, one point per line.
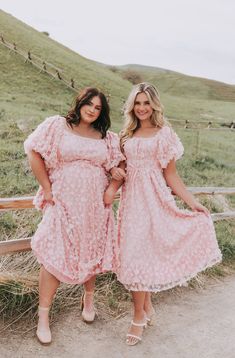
116	184
39	169
178	187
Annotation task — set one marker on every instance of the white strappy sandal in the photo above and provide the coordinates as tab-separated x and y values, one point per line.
151	320
136	339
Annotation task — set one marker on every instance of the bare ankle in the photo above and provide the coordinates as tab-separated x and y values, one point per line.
139	316
43	313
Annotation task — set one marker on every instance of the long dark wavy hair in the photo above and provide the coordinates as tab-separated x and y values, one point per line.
102	123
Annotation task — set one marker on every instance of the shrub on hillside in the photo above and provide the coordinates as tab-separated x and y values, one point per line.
45	33
113	68
132	76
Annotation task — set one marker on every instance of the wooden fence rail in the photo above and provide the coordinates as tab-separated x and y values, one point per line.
21	245
14	246
26	202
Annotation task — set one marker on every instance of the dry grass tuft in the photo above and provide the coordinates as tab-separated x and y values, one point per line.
19	294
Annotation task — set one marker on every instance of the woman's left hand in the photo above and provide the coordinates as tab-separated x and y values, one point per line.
199	207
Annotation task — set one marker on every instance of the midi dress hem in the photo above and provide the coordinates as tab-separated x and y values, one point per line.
62	277
183	281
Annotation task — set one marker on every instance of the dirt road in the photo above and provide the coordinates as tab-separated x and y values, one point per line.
192	323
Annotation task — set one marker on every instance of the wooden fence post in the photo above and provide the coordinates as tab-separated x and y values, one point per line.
197	143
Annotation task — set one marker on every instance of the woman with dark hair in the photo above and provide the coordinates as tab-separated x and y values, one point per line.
70	157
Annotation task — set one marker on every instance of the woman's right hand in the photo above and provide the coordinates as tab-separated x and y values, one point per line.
118	173
48	197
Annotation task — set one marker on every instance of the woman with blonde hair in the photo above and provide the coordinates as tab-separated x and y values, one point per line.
160	245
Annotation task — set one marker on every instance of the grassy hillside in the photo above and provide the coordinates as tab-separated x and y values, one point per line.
191	98
36	92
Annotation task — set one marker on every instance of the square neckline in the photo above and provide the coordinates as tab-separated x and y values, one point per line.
66	129
153	136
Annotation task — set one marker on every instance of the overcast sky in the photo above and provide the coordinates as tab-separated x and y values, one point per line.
195	37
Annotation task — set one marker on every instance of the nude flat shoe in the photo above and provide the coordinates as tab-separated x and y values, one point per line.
87	316
43	334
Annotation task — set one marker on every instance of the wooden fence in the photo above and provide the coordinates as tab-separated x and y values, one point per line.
20	245
41	64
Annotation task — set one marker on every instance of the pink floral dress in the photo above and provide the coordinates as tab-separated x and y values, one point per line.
76	237
160	245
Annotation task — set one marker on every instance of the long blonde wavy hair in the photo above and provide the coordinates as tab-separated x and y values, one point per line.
132	123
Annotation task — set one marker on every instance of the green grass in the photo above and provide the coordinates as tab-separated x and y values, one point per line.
208	159
225	232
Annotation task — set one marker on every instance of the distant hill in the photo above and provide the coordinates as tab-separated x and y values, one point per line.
187	97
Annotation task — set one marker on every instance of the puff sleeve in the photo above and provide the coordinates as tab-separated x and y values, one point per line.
169	147
115	155
44	140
